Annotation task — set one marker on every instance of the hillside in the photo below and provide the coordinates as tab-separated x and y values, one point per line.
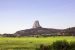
37	31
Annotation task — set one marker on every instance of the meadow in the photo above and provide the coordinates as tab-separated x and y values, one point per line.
30	43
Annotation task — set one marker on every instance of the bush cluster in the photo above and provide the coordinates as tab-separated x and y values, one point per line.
58	45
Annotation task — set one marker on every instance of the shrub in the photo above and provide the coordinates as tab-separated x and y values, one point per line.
72	46
60	45
44	47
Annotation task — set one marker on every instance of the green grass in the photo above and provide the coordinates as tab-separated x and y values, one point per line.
29	43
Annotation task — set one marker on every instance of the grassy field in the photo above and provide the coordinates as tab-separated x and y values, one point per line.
29	43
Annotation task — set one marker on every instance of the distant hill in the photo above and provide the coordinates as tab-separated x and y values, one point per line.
38	31
46	32
70	31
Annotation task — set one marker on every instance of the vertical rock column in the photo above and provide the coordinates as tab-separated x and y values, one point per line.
36	24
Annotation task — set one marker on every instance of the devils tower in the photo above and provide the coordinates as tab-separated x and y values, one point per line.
36	24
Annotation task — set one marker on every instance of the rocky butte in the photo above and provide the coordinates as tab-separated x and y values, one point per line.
36	24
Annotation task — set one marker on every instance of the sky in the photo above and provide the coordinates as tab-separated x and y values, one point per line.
18	15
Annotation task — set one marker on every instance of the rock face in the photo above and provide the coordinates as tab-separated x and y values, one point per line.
36	24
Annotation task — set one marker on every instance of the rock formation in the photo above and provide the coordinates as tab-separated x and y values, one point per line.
36	24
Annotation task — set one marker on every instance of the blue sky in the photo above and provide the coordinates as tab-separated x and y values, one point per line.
20	14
